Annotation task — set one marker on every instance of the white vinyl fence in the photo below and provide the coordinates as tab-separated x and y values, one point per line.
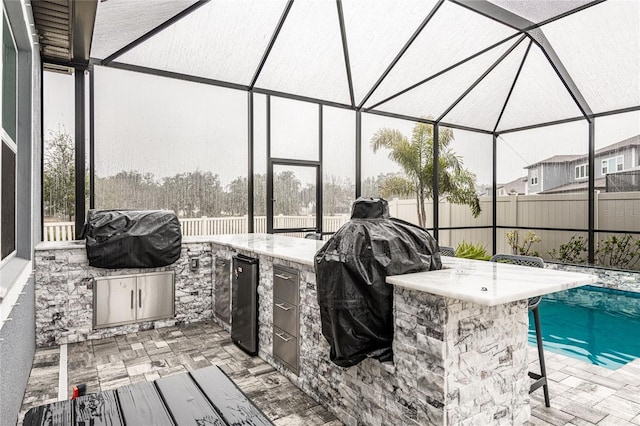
65	231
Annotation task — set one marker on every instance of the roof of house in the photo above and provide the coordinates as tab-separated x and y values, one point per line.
556	159
517	185
599	183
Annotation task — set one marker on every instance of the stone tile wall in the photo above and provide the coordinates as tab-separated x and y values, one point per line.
64	294
608	278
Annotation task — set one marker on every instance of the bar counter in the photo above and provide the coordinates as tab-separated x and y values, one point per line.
460	339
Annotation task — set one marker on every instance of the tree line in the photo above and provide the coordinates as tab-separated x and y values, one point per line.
201	193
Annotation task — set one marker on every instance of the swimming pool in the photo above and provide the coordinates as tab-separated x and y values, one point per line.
593	324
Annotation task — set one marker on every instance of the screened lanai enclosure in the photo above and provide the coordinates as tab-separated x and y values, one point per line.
273	116
500	126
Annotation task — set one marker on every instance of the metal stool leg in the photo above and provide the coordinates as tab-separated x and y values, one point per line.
541	379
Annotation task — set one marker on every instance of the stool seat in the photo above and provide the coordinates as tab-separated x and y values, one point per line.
534	302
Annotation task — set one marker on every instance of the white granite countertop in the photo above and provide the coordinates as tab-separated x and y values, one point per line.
299	250
489	283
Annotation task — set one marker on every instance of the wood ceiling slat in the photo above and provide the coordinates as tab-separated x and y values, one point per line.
52	13
48	18
53	35
45	23
51	6
55	43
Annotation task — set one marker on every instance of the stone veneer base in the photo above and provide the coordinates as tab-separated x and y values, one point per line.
64	294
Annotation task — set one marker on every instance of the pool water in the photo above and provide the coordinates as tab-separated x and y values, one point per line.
592	324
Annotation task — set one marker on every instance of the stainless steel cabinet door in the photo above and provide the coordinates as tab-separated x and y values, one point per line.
115	301
155	296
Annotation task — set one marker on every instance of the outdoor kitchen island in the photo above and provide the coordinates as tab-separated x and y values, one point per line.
460	338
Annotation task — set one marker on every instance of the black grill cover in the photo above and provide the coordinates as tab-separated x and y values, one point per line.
356	304
132	238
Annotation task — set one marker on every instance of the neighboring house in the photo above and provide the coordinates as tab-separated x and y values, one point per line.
518	187
569	173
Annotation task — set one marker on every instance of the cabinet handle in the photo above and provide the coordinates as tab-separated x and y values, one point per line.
140	298
131	299
284	277
284	308
283	337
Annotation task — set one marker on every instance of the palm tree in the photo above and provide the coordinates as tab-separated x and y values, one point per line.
415	157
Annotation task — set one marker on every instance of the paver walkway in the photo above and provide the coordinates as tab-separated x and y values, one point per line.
581	394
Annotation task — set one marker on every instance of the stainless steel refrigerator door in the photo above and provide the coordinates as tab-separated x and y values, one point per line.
244	327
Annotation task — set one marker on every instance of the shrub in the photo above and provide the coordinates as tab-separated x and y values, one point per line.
574	251
472	251
618	252
525	249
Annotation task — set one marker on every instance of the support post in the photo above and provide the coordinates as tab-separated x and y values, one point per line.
436	173
79	150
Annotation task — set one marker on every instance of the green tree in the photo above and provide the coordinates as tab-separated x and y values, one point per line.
194	194
287	194
129	190
59	176
236	195
337	195
415	157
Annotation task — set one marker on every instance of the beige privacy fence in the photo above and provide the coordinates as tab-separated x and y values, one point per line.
615	211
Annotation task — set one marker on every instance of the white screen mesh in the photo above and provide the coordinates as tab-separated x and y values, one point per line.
600	47
538	96
119	22
223	40
307	59
541	10
481	107
434	97
453	34
376	31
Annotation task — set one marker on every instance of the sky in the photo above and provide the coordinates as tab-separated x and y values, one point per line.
164	126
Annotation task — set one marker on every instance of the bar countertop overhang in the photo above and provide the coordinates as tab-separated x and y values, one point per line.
489	283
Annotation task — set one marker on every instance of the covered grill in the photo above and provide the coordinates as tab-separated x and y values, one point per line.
132	238
356	304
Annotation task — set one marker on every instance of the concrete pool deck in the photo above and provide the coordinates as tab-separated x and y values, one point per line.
581	394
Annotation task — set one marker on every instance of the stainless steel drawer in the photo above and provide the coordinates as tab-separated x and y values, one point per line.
285	284
285	316
285	348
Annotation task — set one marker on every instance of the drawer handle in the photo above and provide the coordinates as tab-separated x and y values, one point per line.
284	277
283	337
284	308
131	299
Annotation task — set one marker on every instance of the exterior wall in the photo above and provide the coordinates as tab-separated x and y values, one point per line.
556	175
64	294
16	355
17	331
533	189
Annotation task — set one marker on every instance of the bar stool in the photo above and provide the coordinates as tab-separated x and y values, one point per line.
540	379
447	251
